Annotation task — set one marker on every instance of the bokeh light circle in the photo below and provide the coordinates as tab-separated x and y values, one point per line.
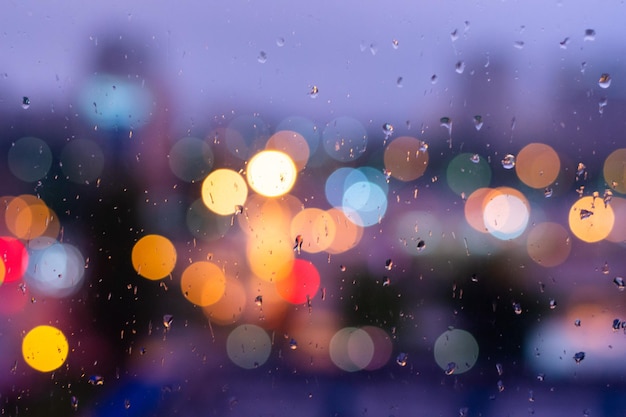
456	347
27	217
590	220
548	244
271	173
466	173
304	127
292	144
223	190
348	233
405	158
367	200
351	349
615	170
203	283
15	258
153	257
316	227
56	270
506	212
248	346
618	233
344	139
82	161
191	159
229	308
30	159
537	165
45	348
301	284
270	256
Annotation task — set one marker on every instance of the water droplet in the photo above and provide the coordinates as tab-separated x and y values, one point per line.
342	268
126	404
421	245
96	380
500	386
518	44
577	323
423	146
531	396
499	369
604	81
590	35
238	209
619	281
583	66
280	42
517	308
563	43
387	130
314	92
474	278
581	172
463	412
450	368
475	158
74	403
508	162
605	268
293	345
262	58
388	264
399	82
541	377
602	104
386	281
433	79
607	197
258	300
25	102
579	356
547	193
552	303
478	122
585	214
167	321
616	324
387	174
459	67
454	35
586	412
298	246
395	44
402	359
373	48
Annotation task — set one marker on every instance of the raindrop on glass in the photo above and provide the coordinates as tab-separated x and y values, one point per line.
590	35
96	380
386	281
518	44
421	245
464	412
74	403
373	48
541	377
499	369
280	42
258	300
579	356
602	104
581	172
459	67
399	82
388	264
531	396
423	146
619	282
298	244
434	78
552	303
478	122
395	44
450	368
508	162
475	158
293	345
25	102
238	209
262	58
314	91
387	130
547	193
454	35
563	43
604	81
126	404
517	308
402	359
607	197
605	268
167	321
585	214
616	324
500	386
583	66
342	268
577	323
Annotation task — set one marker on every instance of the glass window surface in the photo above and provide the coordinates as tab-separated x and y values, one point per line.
309	209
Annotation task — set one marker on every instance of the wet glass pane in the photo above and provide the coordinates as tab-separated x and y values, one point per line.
312	208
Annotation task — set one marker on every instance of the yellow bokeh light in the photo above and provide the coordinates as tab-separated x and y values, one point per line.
27	216
154	257
3	270
316	228
45	348
203	283
590	220
348	233
537	165
615	170
223	190
270	255
271	173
